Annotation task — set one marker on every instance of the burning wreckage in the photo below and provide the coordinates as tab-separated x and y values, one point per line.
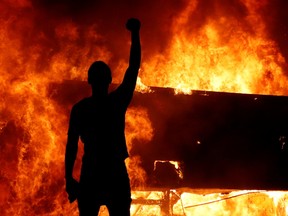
217	144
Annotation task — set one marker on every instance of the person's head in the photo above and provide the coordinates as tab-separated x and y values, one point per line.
99	74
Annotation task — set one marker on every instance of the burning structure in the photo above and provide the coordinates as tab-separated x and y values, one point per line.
208	137
206	142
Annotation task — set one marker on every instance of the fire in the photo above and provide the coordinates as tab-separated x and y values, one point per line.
176	164
240	203
138	127
223	53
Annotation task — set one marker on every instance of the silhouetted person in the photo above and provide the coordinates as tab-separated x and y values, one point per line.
99	121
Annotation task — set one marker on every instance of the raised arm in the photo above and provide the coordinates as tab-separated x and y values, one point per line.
130	77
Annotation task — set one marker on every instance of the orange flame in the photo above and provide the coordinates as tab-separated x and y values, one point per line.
223	54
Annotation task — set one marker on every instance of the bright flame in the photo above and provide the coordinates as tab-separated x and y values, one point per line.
222	54
140	87
138	127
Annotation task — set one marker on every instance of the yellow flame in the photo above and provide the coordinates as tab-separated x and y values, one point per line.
219	56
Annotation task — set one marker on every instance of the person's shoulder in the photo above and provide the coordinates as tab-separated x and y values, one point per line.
81	103
117	90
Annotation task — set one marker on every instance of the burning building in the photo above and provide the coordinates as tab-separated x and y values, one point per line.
207	128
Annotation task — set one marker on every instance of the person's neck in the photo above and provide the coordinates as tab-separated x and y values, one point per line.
99	91
99	94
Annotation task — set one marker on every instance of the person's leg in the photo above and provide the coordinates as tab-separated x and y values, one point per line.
119	198
119	207
87	206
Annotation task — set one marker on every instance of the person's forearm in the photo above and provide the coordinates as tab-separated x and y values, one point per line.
130	77
135	51
134	61
70	157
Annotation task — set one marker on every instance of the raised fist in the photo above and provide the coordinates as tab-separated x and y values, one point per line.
133	24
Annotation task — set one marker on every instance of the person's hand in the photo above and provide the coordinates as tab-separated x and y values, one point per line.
72	189
133	24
